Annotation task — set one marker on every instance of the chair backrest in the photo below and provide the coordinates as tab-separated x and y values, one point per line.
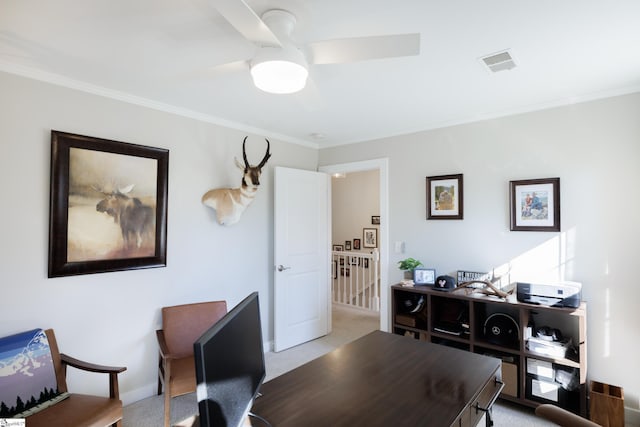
184	324
61	377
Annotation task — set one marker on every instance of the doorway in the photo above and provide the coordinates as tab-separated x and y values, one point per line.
381	166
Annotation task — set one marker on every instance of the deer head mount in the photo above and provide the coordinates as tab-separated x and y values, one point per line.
229	203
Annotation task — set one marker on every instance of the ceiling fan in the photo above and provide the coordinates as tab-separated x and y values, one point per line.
281	67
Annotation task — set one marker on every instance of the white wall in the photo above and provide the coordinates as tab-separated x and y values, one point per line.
354	199
594	148
111	318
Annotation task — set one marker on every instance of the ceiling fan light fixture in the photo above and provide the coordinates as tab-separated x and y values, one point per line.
279	70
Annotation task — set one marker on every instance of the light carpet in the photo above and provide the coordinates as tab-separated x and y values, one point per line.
348	325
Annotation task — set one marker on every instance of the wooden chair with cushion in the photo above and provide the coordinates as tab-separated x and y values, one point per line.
182	325
562	417
78	410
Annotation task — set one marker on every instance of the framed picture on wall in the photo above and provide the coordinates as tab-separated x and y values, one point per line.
444	197
356	244
375	220
108	208
370	237
347	245
338	248
535	204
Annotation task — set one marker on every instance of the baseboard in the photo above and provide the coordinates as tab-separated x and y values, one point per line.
138	394
631	417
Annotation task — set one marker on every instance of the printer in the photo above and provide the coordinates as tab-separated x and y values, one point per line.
562	294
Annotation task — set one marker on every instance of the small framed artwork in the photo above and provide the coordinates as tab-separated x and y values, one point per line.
370	237
445	197
108	209
424	276
535	204
356	244
338	248
347	245
375	220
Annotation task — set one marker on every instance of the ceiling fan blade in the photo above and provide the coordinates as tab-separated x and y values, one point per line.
245	20
364	48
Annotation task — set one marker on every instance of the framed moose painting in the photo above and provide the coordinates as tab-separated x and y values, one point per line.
108	209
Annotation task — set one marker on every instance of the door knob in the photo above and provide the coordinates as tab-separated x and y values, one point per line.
283	268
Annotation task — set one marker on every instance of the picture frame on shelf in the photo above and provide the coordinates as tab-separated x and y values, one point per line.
445	197
424	276
96	184
370	237
535	204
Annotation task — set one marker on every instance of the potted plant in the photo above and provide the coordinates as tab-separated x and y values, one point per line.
407	265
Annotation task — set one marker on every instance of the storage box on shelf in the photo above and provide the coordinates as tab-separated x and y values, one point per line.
543	349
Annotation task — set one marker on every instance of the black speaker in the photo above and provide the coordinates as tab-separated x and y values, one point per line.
501	329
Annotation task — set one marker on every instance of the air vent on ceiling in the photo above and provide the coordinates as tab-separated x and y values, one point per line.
499	61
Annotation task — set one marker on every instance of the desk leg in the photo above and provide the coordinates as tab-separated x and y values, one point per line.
488	417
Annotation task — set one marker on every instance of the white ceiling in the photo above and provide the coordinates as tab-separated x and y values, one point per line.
169	54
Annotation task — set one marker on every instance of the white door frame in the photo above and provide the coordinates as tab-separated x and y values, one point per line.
382	165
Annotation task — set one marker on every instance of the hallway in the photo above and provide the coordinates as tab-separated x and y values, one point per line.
348	324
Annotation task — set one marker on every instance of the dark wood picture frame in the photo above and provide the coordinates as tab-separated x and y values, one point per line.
347	245
369	237
445	197
338	248
535	204
87	175
375	220
356	244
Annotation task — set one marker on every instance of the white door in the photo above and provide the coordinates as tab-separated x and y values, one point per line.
301	239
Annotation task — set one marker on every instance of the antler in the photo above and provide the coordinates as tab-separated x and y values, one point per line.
493	290
266	156
244	153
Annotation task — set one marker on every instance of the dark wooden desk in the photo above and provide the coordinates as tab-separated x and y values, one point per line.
383	379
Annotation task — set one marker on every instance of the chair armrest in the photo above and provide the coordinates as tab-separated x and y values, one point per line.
92	367
113	371
562	417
